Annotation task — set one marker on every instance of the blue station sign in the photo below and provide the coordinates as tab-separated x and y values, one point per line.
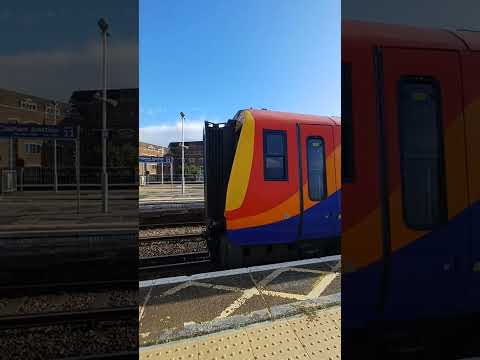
37	131
155	159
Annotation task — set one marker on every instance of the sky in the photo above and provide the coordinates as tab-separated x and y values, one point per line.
51	48
212	58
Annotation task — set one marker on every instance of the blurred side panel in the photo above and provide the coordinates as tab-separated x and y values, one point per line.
410	244
68	178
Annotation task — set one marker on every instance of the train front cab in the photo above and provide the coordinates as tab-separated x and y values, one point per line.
411	179
265	208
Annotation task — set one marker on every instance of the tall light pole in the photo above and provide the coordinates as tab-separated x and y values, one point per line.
55	168
102	24
182	115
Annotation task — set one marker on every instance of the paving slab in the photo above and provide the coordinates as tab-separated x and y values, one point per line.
241	281
294	281
334	287
174	309
313	336
192	305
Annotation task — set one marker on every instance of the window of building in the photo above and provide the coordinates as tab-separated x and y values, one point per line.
347	126
275	155
316	168
33	148
28	104
421	150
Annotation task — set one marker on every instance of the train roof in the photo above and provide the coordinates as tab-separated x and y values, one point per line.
294	118
409	36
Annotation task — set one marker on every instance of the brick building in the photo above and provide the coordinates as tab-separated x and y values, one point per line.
24	109
193	159
145	149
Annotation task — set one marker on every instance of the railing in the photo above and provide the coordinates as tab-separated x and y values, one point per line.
44	177
157	178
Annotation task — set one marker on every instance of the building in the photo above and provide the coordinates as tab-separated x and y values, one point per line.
193	159
22	109
122	125
145	149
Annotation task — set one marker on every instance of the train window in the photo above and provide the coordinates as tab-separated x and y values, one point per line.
275	155
347	127
421	151
316	168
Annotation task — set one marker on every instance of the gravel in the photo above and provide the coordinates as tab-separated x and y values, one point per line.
160	248
171	231
123	298
61	341
56	302
70	301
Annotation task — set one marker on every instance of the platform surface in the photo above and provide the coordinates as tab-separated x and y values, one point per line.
315	336
166	193
189	306
32	212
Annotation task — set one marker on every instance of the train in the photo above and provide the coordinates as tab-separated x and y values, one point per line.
410	175
272	179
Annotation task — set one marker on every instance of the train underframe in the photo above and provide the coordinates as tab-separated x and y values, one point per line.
229	255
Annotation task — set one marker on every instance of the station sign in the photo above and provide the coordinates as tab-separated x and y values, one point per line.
37	131
155	159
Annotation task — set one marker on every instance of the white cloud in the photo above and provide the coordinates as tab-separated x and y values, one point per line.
164	134
149	113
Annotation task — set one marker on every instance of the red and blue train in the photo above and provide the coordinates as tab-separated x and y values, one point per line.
272	178
410	175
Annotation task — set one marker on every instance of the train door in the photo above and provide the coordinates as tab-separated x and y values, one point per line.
471	80
319	198
424	147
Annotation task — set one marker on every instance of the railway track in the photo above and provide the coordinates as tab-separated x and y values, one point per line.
69	335
170	224
122	355
173	237
181	264
51	288
62	318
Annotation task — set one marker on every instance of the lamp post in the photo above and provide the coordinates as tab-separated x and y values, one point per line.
102	24
55	168
182	115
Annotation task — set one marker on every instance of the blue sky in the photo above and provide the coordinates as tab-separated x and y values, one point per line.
52	48
211	58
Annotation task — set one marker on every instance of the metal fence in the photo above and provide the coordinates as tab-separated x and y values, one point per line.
175	178
28	178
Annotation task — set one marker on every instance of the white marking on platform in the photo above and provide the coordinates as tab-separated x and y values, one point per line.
247	294
216	274
321	286
142	308
284	295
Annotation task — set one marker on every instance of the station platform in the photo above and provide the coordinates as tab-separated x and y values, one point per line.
314	336
34	212
175	309
45	228
167	193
